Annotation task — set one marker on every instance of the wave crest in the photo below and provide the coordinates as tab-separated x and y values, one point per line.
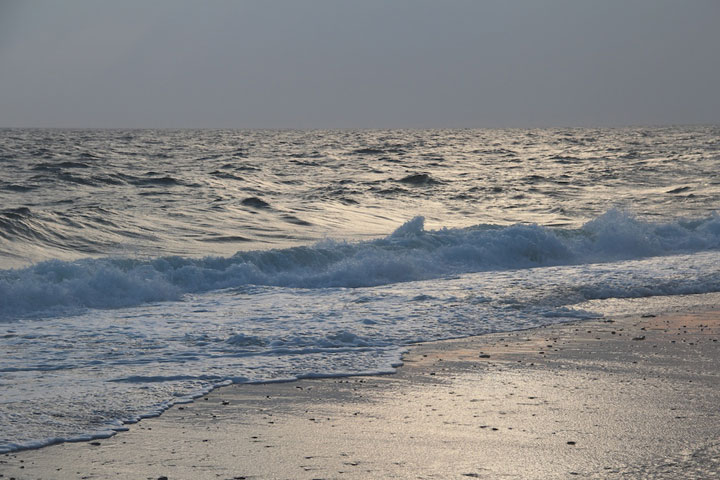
408	254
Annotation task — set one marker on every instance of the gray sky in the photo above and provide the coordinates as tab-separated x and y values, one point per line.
364	63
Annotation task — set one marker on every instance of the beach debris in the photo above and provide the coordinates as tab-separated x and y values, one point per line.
641	337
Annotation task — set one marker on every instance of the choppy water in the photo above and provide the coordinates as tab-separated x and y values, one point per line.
141	268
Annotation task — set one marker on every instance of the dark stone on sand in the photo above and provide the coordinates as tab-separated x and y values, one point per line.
255	202
95	444
571	443
642	337
162	478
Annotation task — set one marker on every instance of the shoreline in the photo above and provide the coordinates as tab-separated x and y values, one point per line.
611	397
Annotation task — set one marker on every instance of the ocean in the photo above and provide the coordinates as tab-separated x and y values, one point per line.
143	268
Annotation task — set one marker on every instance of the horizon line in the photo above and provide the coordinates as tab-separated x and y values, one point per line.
546	127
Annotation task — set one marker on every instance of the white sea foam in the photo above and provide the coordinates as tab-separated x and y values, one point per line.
78	374
144	302
411	253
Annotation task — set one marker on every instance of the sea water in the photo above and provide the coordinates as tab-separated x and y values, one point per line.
143	268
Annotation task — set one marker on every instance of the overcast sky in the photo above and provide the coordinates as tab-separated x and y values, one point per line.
364	63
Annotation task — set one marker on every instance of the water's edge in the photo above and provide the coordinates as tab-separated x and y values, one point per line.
711	305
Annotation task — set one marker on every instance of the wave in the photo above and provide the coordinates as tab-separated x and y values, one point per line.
419	179
410	253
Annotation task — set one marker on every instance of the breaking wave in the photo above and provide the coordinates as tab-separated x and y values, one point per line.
410	253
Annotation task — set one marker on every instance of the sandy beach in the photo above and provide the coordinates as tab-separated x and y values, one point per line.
329	240
630	398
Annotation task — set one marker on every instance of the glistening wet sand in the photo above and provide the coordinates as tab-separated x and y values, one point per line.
631	398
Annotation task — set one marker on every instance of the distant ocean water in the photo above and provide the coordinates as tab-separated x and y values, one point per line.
142	268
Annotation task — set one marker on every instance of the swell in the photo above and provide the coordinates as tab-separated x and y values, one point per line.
61	231
410	253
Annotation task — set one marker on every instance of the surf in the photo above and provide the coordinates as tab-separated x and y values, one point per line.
410	253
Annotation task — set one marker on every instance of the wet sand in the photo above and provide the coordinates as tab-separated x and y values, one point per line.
630	398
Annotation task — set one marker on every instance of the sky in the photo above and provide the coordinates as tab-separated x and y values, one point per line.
358	64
